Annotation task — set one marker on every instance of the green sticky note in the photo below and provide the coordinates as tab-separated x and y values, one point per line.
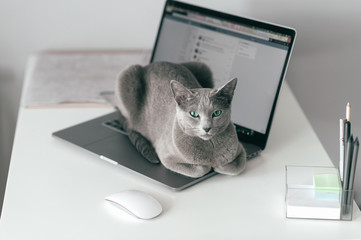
327	185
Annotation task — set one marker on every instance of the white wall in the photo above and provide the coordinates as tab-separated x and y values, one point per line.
324	69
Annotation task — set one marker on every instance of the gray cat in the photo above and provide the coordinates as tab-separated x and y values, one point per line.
171	113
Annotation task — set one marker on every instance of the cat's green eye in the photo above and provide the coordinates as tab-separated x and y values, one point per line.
217	113
194	114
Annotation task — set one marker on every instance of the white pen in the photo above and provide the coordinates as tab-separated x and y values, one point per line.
346	135
342	149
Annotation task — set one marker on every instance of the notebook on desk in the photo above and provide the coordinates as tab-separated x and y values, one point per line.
255	52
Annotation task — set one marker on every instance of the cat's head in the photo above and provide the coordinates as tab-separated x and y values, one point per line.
203	112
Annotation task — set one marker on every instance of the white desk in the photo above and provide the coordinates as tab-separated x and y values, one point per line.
56	191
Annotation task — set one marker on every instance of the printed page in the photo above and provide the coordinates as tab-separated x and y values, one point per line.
68	78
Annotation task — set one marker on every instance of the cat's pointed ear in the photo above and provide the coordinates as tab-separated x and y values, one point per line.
227	90
181	93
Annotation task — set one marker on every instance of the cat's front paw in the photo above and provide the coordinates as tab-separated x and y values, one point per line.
235	167
189	170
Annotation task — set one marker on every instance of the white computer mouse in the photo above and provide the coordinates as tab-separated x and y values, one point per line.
138	203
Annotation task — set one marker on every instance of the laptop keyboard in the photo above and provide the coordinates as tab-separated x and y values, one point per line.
115	126
251	150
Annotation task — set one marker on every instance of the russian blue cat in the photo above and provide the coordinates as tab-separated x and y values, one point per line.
172	114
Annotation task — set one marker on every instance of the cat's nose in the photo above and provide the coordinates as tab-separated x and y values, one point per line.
206	129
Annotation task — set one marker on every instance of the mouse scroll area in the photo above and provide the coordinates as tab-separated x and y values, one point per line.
137	203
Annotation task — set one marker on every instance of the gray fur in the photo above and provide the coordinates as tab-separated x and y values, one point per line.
156	101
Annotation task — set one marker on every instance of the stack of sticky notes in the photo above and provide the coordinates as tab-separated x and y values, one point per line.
327	186
313	193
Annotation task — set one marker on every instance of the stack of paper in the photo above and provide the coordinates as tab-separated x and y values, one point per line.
58	78
313	192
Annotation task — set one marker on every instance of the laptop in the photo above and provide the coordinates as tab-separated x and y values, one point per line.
255	52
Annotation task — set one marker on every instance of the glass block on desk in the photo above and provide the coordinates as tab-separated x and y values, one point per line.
316	193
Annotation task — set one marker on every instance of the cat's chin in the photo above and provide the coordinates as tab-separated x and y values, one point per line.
206	137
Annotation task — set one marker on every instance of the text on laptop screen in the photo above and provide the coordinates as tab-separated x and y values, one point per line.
255	56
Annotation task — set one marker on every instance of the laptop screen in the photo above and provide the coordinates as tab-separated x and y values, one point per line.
254	52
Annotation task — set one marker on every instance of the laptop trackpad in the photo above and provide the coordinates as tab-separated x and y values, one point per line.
119	149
